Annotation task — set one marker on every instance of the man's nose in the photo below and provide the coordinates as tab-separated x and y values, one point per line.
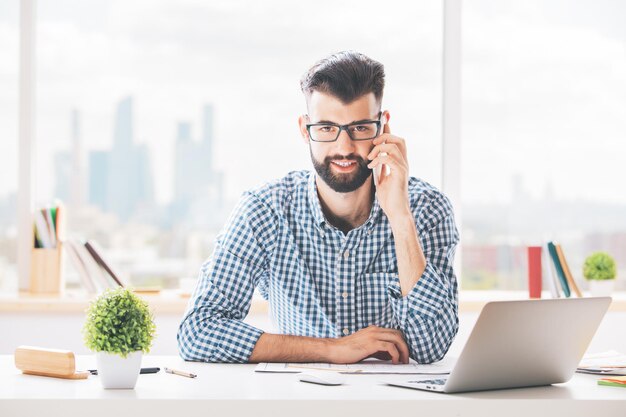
344	143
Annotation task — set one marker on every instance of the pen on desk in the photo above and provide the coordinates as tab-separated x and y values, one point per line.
143	371
181	373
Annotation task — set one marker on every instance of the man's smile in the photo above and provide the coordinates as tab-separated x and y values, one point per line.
344	165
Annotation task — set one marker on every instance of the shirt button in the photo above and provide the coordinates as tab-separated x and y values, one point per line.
346	254
346	332
344	294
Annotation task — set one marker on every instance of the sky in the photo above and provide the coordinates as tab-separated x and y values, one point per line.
544	85
544	98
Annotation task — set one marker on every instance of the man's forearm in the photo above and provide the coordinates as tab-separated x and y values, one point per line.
411	259
371	341
286	348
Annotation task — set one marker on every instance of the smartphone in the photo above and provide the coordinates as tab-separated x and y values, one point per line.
377	170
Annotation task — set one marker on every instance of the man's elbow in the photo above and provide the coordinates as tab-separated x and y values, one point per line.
189	346
433	348
185	344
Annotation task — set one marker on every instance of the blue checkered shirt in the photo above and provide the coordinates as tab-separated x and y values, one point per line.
319	281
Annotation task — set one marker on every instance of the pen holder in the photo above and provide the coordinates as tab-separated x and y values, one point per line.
46	275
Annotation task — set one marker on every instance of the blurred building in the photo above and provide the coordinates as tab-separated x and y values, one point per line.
120	180
198	188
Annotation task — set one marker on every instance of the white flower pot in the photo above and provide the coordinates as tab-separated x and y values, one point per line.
116	372
601	288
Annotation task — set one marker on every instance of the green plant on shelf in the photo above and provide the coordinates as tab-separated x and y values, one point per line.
599	266
119	322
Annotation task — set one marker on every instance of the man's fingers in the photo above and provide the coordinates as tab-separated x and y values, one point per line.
389	138
395	337
389	148
390	348
402	347
386	128
385	159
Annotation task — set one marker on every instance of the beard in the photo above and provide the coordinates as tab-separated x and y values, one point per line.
342	182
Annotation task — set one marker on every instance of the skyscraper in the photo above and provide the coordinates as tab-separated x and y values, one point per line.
98	178
207	135
198	191
121	180
123	136
77	177
62	175
68	167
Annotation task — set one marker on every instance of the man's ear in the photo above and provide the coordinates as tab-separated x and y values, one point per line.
385	117
302	120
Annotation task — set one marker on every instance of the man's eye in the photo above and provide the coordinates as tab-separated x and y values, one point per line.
362	128
326	128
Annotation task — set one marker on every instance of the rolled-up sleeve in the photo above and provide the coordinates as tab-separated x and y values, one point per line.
212	329
428	315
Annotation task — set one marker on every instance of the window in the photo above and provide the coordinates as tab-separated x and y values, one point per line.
9	55
154	116
543	142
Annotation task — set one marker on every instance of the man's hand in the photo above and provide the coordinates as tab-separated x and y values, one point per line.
372	341
392	189
392	193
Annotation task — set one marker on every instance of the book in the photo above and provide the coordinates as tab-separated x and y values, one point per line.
550	274
611	384
59	221
80	268
52	234
94	270
566	271
534	271
615	381
37	240
42	231
559	269
96	251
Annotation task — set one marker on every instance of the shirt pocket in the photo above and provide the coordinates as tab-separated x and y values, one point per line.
374	306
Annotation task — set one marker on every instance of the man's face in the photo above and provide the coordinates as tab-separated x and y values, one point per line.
342	164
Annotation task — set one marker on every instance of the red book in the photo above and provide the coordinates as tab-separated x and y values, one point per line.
534	271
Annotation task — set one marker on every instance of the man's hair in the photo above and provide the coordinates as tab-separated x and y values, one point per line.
346	75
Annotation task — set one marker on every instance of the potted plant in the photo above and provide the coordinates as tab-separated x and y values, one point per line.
119	328
600	270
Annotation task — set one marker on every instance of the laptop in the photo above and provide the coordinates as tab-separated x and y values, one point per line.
518	344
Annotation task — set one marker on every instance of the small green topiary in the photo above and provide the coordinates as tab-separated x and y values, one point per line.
119	322
599	266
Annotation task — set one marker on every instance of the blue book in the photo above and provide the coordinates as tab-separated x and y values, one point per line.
559	268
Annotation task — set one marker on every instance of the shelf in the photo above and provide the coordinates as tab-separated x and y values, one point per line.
173	302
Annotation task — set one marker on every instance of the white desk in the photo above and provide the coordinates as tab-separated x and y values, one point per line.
236	390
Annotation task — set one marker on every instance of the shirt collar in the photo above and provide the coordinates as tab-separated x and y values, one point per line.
318	214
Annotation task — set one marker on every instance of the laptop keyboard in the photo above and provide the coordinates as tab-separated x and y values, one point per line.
430	381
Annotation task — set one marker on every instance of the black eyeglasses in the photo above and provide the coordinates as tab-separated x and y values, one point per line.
329	132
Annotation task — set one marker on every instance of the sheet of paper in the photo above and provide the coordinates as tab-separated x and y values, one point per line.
610	359
366	367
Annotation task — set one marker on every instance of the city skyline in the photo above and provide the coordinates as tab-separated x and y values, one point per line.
121	181
197	186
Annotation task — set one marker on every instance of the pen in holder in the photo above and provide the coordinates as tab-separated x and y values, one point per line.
46	270
46	259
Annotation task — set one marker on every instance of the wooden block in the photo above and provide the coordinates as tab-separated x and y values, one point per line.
47	362
46	275
75	375
147	290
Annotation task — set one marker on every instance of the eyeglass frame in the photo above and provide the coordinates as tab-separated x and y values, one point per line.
345	127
